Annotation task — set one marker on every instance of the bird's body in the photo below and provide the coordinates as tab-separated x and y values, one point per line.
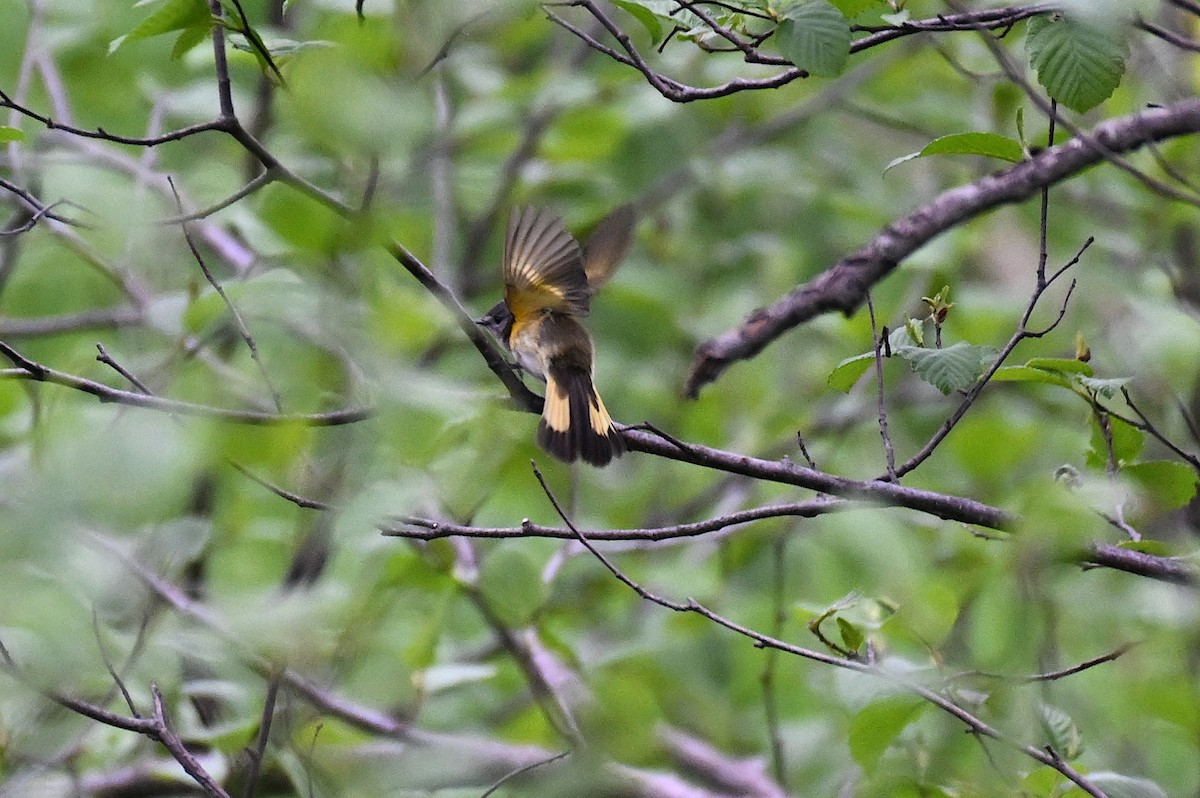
546	292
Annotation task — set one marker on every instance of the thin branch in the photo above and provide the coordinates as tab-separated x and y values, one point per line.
987	19
40	209
429	529
37	372
263	179
112	671
881	398
257	753
1168	36
843	287
1164	569
219	125
1051	676
37	326
157	727
521	771
233	311
294	498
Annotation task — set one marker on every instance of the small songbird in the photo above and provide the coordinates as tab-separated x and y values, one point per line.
546	292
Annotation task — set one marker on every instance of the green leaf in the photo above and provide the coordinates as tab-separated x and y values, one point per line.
852	8
189	38
991	145
660	17
1145	546
846	373
1115	785
852	636
1079	63
1061	732
879	723
954	368
815	37
511	582
172	15
648	19
11	134
1027	374
1172	485
1126	444
1068	364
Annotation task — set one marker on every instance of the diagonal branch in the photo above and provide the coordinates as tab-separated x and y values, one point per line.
844	286
32	370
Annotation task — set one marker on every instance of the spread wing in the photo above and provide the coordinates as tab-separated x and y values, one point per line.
543	266
608	245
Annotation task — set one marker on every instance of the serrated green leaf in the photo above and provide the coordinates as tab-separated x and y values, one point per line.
877	725
1079	64
815	37
954	368
511	582
1067	364
1116	785
1172	485
172	15
1127	444
11	134
1061	732
1108	388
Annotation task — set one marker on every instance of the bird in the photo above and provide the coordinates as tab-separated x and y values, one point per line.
547	290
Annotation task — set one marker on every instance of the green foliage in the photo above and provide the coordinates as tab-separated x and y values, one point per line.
190	17
815	36
173	547
990	145
877	725
1080	62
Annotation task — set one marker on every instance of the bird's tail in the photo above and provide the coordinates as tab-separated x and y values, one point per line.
575	423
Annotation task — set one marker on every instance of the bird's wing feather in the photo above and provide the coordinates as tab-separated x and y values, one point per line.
543	266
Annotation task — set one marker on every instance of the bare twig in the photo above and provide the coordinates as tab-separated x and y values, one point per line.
37	372
881	397
428	529
257	753
521	771
233	311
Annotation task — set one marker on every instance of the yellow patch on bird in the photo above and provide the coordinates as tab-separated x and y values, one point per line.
598	416
526	300
557	411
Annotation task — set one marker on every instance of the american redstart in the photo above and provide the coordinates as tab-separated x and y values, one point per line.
548	287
